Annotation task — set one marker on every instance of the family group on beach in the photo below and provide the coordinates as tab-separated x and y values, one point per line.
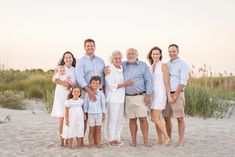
90	93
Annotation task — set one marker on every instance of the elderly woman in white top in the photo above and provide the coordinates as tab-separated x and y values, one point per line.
115	94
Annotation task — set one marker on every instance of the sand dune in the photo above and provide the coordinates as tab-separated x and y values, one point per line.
34	133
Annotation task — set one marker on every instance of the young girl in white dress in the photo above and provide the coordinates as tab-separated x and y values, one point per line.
63	83
161	89
74	118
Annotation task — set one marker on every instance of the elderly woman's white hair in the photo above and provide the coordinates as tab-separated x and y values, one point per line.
114	53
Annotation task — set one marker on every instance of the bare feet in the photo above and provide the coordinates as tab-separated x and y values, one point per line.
159	142
120	143
147	145
180	143
167	142
99	145
133	144
61	142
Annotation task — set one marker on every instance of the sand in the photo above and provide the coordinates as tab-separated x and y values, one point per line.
34	133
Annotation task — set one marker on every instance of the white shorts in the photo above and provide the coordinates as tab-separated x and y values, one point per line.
94	119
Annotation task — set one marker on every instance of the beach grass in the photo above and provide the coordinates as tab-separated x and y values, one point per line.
206	96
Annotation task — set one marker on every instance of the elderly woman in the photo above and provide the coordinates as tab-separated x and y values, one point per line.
115	94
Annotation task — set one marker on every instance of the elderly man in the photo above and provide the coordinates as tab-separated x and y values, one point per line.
179	73
138	96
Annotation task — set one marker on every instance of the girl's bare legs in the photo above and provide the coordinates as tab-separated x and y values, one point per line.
85	127
155	115
98	136
61	122
70	142
91	135
79	142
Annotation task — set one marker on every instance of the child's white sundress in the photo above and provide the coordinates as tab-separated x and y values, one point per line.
76	119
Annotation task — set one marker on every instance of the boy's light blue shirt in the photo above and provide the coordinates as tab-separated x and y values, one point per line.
179	73
95	107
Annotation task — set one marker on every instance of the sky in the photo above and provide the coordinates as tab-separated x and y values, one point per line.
35	34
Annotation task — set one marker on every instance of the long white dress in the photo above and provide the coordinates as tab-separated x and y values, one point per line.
159	96
61	93
76	119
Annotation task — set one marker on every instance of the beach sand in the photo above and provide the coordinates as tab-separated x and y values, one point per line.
34	133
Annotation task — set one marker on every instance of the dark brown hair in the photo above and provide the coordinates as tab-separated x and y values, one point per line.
70	95
96	78
150	53
174	45
89	40
61	62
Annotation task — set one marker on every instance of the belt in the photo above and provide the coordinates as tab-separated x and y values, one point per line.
173	92
142	93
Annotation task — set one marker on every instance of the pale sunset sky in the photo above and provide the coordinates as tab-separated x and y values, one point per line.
35	33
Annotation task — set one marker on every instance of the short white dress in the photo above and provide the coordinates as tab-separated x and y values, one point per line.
76	119
61	93
159	96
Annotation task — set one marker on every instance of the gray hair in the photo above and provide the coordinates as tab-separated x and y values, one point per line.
114	53
132	49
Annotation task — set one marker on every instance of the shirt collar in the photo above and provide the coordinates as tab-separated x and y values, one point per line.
175	60
119	70
89	57
136	62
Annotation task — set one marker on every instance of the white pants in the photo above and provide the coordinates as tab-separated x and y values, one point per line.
113	121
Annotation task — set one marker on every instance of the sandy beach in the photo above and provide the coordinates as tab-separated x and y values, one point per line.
34	133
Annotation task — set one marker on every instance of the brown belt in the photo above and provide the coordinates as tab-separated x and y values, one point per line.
142	93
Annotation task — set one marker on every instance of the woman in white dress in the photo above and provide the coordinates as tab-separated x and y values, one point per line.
74	118
161	88
115	94
62	89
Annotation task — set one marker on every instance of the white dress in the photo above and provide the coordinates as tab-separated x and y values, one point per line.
76	119
159	96
61	93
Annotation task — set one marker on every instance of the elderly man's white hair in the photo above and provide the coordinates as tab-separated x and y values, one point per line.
132	49
114	53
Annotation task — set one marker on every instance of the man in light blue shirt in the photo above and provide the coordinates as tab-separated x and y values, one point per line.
138	96
87	66
179	74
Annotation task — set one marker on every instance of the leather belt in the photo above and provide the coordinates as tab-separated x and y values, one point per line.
142	93
173	92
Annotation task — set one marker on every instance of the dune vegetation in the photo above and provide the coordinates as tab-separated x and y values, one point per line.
206	96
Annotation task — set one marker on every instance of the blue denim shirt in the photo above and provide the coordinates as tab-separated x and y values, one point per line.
179	73
139	73
87	67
